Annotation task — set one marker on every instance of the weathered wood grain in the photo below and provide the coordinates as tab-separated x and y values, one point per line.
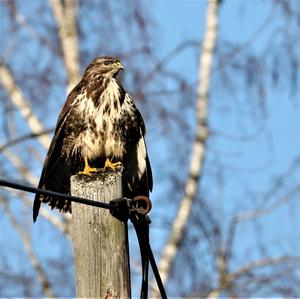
100	241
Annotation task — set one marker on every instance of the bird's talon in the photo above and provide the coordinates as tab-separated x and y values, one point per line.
110	165
87	169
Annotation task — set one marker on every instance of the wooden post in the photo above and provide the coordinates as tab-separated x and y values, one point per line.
100	241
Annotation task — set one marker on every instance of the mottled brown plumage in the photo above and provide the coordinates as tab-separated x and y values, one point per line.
99	120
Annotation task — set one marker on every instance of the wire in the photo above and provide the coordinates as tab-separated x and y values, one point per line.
156	273
57	194
141	225
121	208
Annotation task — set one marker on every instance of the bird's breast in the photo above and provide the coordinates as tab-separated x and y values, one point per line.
100	136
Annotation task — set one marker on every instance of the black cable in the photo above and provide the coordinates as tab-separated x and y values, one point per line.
119	208
57	194
142	232
156	273
141	225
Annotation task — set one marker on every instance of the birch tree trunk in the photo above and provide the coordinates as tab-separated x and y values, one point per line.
198	151
65	17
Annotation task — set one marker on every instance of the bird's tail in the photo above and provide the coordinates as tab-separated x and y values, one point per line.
36	207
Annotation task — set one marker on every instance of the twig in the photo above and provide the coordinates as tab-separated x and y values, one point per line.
256	213
24	138
44	212
36	264
264	263
62	226
22	104
20	166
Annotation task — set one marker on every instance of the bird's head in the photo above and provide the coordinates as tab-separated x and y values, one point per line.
105	66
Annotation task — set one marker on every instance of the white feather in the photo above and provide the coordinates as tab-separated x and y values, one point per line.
141	154
87	143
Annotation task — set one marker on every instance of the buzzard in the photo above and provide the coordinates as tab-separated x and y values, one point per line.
99	125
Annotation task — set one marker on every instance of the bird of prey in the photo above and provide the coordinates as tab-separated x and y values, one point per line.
99	125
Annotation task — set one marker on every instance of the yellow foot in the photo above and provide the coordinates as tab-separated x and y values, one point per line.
108	164
87	169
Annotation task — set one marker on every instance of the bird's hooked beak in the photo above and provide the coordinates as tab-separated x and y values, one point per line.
118	65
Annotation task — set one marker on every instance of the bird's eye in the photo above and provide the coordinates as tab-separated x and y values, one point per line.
107	62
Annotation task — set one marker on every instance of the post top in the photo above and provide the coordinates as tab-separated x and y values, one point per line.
105	177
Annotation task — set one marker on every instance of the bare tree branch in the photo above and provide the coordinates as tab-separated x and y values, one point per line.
24	138
264	263
271	281
62	226
36	264
65	16
23	169
214	294
255	35
22	104
247	216
34	34
231	278
198	151
171	55
256	213
44	212
27	174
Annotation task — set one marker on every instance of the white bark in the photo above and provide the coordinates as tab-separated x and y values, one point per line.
198	151
45	213
214	294
22	104
65	17
35	262
17	162
33	180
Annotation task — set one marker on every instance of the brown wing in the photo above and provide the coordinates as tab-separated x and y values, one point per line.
138	174
56	170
